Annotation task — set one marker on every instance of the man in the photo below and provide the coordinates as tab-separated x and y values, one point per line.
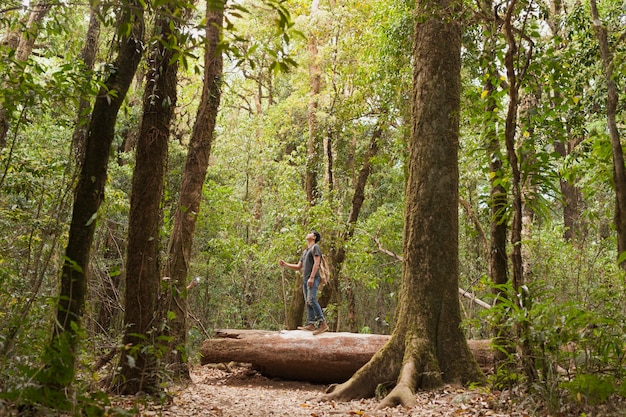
309	265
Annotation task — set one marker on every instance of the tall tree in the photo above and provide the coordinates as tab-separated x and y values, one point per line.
138	363
296	307
88	56
498	201
90	193
566	144
427	346
516	61
619	170
179	252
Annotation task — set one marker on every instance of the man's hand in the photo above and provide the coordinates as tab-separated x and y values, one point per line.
310	282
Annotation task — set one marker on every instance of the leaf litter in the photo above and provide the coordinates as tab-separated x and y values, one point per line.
240	392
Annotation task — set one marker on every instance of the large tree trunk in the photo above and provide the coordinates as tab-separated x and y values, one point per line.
427	346
295	355
89	195
177	268
298	355
143	269
619	171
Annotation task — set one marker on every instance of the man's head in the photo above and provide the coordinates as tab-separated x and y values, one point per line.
313	235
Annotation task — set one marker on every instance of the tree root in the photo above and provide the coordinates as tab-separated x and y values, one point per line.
404	392
382	368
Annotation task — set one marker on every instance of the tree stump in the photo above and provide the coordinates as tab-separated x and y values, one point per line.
298	355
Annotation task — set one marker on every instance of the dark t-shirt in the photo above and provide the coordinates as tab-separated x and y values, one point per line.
308	259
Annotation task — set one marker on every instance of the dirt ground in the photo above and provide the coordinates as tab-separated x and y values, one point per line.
242	392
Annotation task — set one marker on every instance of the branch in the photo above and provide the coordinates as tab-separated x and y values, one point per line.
474	218
385	251
463	292
474	298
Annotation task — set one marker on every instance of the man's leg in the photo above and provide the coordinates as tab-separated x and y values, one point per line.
310	312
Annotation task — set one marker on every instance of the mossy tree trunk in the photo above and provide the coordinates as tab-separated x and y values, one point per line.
177	267
139	361
427	346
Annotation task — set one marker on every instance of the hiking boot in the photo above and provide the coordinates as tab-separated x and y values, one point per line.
321	329
310	327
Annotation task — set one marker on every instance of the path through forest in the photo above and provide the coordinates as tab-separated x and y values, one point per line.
242	392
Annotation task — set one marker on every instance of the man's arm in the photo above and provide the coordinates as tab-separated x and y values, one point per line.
295	267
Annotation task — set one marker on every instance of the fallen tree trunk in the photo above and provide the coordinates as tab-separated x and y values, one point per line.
298	355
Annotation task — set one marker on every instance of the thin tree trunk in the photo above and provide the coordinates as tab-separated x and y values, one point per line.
332	293
89	196
181	242
514	78
498	202
528	102
312	191
619	171
574	229
296	308
143	267
88	56
509	138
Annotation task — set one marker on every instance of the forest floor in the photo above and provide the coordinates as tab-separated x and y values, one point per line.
241	392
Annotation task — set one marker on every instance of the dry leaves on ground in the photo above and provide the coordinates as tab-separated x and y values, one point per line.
243	392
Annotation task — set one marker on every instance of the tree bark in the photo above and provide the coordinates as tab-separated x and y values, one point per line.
427	346
498	201
509	138
89	196
88	56
298	355
296	305
515	66
143	267
619	171
181	242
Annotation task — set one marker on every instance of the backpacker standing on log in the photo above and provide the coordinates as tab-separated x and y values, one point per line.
309	264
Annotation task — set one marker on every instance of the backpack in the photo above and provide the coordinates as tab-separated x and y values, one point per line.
324	271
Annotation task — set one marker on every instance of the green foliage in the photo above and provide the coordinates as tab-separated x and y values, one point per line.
590	388
567	326
575	347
